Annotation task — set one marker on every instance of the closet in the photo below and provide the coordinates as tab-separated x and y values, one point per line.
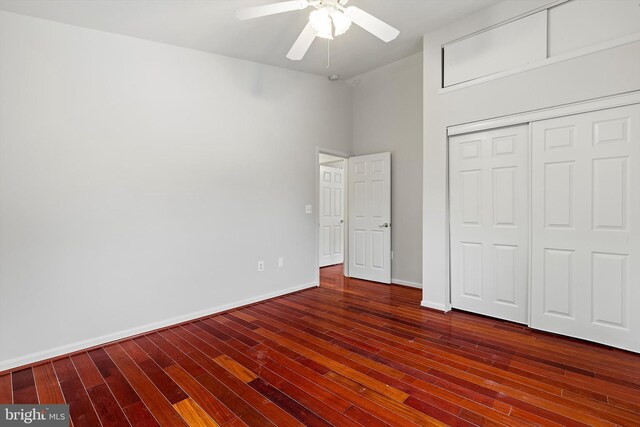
545	224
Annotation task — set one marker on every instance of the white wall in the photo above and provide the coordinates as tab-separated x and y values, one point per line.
387	114
608	72
581	23
140	183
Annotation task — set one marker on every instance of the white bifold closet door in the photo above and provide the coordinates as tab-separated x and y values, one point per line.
489	220
586	226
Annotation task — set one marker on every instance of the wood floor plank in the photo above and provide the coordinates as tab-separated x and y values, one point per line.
208	402
307	417
159	406
6	390
118	384
177	355
236	422
404	411
160	379
106	407
24	387
242	373
243	409
237	317
193	414
363	417
154	352
47	384
248	339
195	342
87	370
81	410
139	415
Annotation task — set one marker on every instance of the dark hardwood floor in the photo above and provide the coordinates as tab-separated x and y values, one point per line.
349	352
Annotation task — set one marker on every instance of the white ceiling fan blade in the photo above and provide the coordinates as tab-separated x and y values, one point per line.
343	2
381	30
303	43
271	9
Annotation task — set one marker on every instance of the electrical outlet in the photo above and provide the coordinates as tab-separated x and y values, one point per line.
260	265
280	262
308	209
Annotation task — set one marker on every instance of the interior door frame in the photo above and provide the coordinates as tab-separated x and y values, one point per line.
604	103
316	216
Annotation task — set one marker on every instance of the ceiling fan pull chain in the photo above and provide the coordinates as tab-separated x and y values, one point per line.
328	53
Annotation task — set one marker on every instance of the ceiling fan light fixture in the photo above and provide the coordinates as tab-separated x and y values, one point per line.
341	22
321	22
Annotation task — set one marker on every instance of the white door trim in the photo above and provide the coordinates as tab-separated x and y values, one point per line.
316	214
603	103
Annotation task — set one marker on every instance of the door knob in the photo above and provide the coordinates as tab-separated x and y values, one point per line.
342	221
385	225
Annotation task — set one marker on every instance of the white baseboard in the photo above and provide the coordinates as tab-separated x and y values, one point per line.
406	283
434	305
80	345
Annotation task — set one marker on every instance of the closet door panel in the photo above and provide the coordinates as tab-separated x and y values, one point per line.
489	222
586	226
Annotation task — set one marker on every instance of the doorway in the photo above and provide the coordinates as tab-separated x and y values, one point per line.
353	218
331	209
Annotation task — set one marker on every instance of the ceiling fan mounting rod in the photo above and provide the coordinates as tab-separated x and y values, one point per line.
319	4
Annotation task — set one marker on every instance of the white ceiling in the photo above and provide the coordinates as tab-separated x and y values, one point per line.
210	25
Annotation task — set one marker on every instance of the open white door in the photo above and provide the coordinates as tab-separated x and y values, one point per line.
331	215
370	217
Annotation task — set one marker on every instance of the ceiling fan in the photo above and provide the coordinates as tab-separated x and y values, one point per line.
330	18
